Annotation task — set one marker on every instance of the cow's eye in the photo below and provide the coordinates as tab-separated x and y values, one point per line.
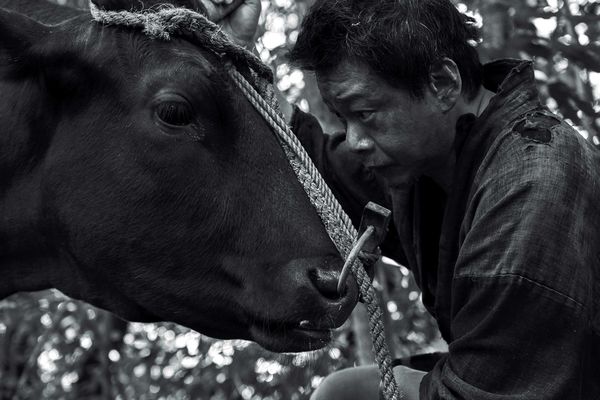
174	113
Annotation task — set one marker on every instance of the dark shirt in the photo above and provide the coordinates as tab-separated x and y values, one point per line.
509	260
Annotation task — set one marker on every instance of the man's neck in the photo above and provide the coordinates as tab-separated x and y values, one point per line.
479	103
444	176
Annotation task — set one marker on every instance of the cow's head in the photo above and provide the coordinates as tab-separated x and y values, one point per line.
137	178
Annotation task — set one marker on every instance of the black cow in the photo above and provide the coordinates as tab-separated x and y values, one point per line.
135	177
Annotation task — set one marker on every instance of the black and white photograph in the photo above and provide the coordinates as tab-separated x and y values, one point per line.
299	199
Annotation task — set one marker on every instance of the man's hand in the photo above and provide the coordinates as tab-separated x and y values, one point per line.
369	260
238	18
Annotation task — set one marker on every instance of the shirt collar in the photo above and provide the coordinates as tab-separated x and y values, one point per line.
513	82
516	94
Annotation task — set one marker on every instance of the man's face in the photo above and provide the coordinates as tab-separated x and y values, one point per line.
400	138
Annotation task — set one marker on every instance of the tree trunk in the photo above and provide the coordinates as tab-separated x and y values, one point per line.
362	336
496	30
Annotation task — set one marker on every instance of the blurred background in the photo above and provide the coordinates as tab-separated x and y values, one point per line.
52	347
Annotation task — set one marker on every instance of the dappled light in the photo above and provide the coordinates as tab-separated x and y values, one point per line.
54	347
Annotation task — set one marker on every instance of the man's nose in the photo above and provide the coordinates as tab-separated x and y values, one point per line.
358	142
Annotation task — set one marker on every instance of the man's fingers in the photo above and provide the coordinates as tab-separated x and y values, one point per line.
370	257
219	9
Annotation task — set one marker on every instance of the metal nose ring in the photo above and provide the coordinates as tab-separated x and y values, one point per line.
373	225
352	257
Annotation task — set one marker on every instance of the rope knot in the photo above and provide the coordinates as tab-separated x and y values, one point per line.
169	20
155	26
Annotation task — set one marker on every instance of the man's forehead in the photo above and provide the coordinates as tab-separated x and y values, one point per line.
348	80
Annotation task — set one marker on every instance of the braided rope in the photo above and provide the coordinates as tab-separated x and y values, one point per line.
167	21
337	223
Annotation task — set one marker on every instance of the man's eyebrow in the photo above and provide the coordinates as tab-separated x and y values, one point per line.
350	94
357	91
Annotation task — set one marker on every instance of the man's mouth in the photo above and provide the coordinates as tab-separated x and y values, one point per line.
377	167
393	175
383	170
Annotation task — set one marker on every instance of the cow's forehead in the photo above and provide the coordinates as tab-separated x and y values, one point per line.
177	61
131	52
191	54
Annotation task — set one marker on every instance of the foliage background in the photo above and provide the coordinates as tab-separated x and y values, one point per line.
52	347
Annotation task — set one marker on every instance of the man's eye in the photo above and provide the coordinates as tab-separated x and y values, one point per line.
340	117
365	115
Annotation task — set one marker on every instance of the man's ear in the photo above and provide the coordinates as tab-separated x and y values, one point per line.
445	83
17	34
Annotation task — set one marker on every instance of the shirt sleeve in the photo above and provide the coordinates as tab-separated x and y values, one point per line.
519	320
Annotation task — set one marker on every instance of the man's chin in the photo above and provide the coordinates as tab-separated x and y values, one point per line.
397	181
393	175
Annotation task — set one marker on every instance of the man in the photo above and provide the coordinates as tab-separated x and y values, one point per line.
496	201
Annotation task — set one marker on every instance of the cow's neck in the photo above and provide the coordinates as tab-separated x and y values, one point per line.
27	262
28	259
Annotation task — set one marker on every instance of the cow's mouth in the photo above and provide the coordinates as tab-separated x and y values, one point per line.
291	336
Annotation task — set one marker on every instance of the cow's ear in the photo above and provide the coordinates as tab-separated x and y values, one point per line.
17	34
30	49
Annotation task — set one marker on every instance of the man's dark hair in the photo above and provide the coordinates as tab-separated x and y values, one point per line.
398	39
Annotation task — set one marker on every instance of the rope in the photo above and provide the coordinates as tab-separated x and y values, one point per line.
257	88
328	209
169	20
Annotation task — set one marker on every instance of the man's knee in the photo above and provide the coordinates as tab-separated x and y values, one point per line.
349	384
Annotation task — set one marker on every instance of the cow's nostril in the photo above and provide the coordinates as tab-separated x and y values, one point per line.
326	283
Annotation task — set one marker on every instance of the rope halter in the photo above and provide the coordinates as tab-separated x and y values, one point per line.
257	87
